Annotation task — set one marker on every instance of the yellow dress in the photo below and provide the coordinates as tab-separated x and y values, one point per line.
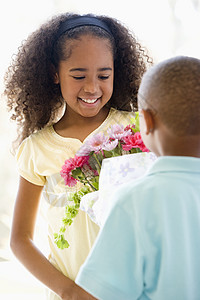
40	158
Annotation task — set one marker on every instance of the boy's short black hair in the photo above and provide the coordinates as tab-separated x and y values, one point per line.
172	88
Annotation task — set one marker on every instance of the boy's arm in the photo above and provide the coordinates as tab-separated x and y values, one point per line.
22	245
114	267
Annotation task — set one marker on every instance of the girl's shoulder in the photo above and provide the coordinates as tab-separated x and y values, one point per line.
47	139
41	135
38	141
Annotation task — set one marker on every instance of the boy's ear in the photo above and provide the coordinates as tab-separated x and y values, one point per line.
148	120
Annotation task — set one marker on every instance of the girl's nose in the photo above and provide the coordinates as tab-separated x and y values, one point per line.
90	86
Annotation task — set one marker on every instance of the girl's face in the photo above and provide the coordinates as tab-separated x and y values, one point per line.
86	77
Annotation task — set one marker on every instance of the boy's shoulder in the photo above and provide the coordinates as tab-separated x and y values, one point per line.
166	176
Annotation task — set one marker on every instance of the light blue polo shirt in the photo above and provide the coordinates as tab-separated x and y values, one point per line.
149	246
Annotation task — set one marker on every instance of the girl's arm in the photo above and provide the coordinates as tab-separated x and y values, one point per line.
22	245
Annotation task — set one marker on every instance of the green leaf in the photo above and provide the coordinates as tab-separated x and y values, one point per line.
60	241
135	150
136	122
71	212
108	154
95	182
76	172
66	222
55	235
83	191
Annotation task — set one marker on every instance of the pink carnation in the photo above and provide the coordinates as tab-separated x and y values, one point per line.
110	145
118	132
129	127
84	150
134	141
79	161
71	164
95	143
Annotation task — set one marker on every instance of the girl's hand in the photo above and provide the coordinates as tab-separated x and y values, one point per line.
77	293
26	208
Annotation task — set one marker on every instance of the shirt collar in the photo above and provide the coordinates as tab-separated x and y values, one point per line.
175	164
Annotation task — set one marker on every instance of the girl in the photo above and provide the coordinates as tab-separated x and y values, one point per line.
91	67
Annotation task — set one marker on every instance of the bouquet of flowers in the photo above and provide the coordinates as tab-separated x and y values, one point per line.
85	166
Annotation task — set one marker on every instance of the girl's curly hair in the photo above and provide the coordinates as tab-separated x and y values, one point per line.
33	97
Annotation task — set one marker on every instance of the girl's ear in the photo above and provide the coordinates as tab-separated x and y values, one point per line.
55	74
148	121
56	78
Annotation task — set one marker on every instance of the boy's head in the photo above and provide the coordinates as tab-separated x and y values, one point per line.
169	99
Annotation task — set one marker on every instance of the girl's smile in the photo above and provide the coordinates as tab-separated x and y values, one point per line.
74	65
90	101
86	77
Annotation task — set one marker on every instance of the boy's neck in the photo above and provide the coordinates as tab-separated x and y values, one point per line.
181	146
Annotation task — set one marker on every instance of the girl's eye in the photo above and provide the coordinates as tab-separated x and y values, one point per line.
104	77
78	77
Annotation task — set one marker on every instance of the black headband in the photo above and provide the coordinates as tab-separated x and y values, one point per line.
81	21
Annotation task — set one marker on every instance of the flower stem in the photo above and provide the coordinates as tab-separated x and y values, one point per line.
88	182
98	162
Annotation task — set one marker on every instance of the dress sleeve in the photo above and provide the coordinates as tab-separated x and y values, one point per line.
26	163
114	267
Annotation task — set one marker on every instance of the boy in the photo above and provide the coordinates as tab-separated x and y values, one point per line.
149	246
